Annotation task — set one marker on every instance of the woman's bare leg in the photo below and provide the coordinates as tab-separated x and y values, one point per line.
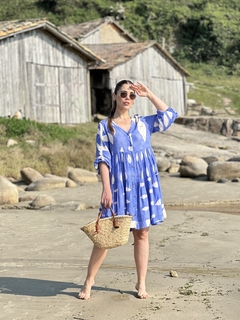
141	254
96	259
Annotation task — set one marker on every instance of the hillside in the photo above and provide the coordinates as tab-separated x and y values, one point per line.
198	30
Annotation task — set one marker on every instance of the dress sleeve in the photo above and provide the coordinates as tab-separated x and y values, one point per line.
161	121
102	147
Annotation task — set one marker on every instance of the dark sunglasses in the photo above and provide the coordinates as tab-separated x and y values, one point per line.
124	94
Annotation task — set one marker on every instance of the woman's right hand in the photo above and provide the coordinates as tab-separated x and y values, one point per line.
106	198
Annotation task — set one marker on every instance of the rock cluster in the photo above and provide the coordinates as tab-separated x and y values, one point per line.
195	109
220	121
227	127
208	168
32	180
212	168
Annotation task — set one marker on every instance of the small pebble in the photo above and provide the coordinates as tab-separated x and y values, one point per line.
173	274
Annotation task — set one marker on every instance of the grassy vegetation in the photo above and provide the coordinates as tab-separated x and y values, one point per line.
213	86
55	147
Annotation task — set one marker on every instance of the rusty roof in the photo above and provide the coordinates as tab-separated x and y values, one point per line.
10	28
118	53
82	30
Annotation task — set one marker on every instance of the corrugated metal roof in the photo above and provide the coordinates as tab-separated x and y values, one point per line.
9	28
117	53
81	30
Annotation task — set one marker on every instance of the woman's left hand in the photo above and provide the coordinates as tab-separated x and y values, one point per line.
143	91
140	89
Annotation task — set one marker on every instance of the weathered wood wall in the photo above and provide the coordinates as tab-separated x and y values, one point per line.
153	69
48	81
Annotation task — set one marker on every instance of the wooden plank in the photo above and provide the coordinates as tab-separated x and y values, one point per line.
44	94
93	38
30	114
74	95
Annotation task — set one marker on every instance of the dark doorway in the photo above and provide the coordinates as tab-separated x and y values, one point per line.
101	94
103	101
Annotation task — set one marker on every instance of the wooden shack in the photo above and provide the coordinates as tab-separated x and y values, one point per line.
104	30
126	58
146	62
44	73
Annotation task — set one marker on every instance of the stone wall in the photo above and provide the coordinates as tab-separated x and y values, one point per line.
199	117
225	126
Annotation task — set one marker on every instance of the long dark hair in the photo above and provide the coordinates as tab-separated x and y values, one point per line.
114	104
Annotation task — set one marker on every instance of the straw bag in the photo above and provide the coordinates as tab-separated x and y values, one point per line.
110	232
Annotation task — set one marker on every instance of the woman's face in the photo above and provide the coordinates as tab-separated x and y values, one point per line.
125	97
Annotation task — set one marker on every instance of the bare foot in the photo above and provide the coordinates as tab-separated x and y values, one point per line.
85	292
142	293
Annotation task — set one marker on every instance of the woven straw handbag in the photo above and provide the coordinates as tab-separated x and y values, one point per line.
110	232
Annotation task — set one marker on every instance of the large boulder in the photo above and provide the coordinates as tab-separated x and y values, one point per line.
163	164
30	175
215	125
8	192
193	167
81	175
235	158
42	201
27	198
70	184
49	175
228	170
210	159
47	184
174	168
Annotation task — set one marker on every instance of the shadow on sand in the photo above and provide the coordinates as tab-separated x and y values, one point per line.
45	288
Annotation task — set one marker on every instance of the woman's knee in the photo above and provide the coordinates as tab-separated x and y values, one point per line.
141	234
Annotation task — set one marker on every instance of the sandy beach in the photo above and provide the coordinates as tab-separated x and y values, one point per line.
44	257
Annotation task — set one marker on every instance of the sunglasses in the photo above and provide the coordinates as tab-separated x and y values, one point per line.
124	94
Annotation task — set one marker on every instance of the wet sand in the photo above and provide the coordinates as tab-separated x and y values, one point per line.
230	208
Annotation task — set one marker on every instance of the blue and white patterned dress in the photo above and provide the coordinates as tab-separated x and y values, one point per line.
134	178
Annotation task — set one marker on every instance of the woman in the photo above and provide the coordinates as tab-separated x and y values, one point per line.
130	182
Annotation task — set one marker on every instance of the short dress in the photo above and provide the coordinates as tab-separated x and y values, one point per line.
134	179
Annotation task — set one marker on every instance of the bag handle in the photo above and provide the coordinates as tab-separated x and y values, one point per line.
115	222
